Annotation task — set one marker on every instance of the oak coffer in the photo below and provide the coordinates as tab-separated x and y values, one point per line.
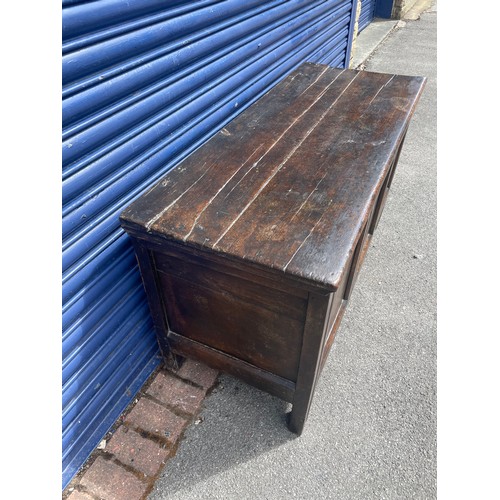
250	247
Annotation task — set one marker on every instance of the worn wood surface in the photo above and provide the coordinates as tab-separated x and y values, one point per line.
234	316
314	337
250	248
288	184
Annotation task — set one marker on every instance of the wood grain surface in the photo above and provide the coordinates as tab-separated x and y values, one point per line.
289	184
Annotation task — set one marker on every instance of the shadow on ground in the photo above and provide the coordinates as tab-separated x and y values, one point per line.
223	440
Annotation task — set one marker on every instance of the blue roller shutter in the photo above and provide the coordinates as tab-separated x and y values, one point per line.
366	14
144	84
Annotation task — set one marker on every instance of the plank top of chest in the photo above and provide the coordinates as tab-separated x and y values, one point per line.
288	184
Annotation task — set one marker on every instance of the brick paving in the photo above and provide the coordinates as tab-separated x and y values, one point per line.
156	420
133	450
175	393
107	479
145	437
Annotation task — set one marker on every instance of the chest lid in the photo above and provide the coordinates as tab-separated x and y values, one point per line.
288	184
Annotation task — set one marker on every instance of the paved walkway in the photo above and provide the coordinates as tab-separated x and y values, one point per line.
129	459
371	432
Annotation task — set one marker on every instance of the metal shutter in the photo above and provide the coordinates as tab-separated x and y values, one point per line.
144	84
366	14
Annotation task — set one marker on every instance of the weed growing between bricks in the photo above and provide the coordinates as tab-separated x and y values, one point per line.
145	436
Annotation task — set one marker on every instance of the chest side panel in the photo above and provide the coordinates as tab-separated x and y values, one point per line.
244	318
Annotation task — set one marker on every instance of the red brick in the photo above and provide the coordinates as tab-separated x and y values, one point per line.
79	495
138	452
198	373
176	393
150	416
110	481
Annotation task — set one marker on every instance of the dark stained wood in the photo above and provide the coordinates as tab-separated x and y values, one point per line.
288	188
337	297
250	247
359	253
228	265
314	338
156	306
269	382
233	325
379	206
242	289
332	332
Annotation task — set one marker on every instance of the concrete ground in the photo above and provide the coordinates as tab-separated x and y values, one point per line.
371	432
370	38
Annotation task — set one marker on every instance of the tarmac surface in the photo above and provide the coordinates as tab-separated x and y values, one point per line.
371	431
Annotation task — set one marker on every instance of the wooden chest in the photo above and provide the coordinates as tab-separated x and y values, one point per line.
249	248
